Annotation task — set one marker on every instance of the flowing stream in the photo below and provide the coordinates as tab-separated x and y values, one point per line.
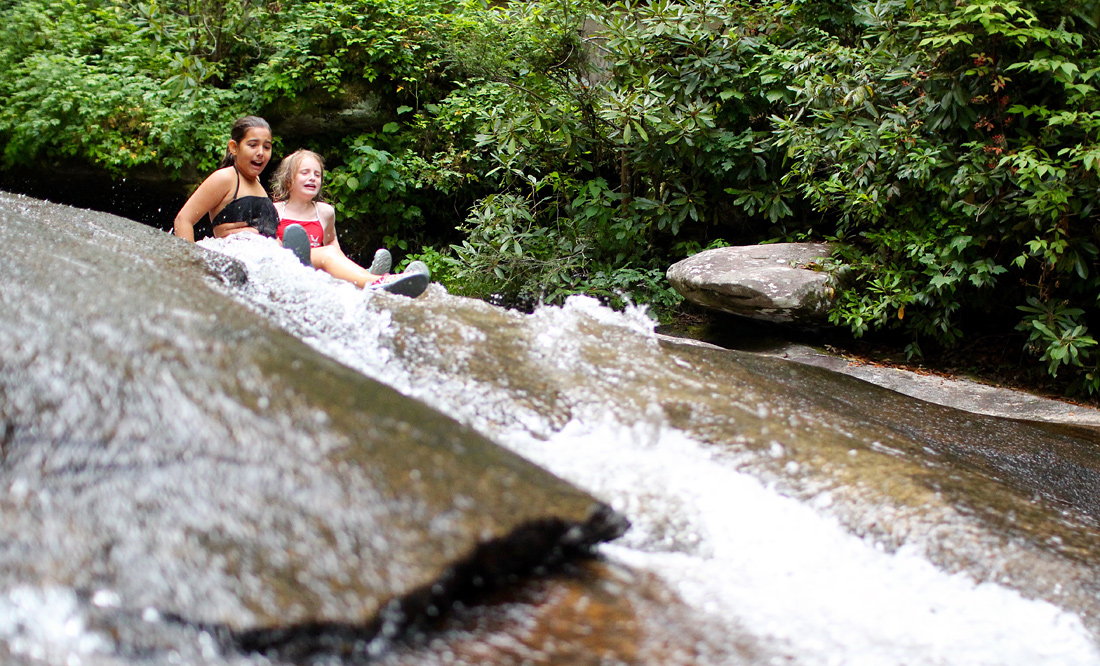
738	550
805	513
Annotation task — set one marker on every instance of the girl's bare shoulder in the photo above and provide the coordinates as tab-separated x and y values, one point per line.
326	212
223	175
217	187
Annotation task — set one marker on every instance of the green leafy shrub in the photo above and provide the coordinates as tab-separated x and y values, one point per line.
507	255
607	150
370	194
954	145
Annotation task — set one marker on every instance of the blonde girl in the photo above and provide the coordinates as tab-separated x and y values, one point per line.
299	203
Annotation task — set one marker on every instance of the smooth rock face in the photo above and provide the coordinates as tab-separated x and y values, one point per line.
781	282
165	449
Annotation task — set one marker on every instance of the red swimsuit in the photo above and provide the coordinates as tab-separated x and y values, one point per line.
313	228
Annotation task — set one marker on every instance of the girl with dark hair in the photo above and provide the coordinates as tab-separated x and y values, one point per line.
232	196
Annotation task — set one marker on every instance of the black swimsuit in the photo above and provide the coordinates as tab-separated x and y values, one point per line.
257	211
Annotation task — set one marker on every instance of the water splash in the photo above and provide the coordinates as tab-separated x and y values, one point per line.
737	549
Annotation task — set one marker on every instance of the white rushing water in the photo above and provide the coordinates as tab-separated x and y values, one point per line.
739	553
733	548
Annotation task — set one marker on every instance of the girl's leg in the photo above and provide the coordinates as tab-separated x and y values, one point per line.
337	264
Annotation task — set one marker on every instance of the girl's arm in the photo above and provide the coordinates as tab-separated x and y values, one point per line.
202	201
327	214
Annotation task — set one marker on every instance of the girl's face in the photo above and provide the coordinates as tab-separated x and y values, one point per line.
307	179
253	152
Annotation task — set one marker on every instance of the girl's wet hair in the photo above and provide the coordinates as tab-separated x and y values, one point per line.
239	132
284	175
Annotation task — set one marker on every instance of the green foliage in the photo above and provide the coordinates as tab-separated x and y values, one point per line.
370	195
441	264
1058	336
657	105
621	287
509	256
124	84
332	46
955	144
912	270
80	80
202	40
607	150
528	151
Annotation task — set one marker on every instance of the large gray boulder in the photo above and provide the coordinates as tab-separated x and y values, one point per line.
168	452
781	282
